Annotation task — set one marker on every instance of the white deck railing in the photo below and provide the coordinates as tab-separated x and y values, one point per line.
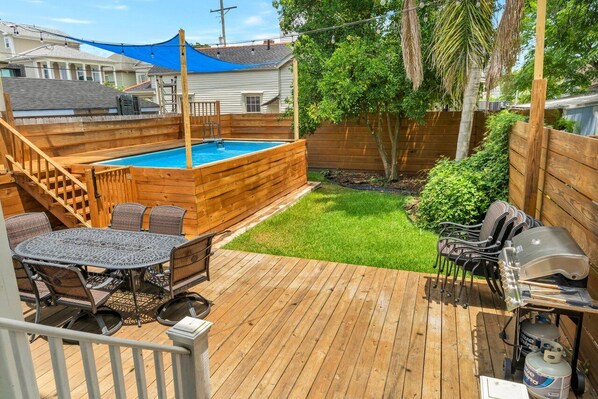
189	354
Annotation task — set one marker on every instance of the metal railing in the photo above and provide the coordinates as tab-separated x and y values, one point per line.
189	356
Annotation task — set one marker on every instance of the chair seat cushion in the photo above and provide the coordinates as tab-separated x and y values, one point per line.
162	280
98	296
42	289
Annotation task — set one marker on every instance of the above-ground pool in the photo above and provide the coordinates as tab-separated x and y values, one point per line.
201	154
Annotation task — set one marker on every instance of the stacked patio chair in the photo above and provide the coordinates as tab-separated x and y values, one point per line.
31	289
166	219
454	236
189	266
127	216
68	287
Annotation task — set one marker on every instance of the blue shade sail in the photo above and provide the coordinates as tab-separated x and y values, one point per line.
167	55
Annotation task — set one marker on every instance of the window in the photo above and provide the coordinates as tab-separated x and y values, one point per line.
80	74
7	42
63	73
253	103
95	75
141	77
46	72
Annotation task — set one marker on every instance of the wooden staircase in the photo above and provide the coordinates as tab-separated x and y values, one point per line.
59	191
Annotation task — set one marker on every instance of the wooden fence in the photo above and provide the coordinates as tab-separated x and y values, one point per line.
350	145
60	139
567	197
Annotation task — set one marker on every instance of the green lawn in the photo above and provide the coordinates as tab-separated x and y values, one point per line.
343	225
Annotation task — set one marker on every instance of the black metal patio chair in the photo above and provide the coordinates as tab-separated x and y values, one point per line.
167	219
127	216
68	287
189	266
22	227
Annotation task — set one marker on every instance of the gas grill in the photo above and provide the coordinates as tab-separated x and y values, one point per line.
543	269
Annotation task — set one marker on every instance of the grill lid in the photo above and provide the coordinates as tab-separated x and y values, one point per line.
543	251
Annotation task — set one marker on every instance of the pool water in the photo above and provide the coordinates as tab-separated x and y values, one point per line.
201	154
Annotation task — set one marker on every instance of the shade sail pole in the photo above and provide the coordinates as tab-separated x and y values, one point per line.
536	119
185	99
295	99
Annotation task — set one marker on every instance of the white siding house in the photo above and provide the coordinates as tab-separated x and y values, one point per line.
262	89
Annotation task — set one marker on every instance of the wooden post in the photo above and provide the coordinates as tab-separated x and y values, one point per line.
6	113
536	120
185	99
295	99
192	334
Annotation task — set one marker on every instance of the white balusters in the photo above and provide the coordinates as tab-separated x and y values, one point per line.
116	364
61	377
139	373
159	368
89	366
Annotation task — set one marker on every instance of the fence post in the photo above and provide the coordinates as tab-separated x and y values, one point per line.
94	207
192	334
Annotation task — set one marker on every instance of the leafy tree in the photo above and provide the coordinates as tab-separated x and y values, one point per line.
354	71
570	51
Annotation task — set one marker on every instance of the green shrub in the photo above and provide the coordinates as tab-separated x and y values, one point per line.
461	191
566	125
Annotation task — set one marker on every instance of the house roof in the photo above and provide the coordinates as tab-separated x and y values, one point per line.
61	52
125	63
27	94
143	86
266	58
583	100
31	31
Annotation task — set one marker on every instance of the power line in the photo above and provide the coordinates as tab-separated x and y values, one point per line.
223	10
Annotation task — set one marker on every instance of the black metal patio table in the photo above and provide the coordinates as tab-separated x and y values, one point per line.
107	248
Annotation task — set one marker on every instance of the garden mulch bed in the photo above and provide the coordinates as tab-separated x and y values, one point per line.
373	181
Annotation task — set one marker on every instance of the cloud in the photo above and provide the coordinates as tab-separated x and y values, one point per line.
254	20
72	21
116	7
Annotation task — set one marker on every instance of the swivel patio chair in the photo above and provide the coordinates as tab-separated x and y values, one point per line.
453	236
31	289
127	216
68	287
167	219
22	227
189	266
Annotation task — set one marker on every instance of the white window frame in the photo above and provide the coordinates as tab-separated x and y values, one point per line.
80	73
46	72
7	42
95	75
247	105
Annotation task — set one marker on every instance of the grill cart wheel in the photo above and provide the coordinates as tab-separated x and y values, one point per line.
578	382
508	369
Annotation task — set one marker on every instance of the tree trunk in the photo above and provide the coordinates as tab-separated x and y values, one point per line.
376	129
393	133
470	97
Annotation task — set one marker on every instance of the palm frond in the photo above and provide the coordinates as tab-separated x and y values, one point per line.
462	35
411	44
506	43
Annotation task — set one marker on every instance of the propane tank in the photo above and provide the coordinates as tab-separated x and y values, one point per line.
548	375
536	334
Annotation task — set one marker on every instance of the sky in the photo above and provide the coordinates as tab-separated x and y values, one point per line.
147	21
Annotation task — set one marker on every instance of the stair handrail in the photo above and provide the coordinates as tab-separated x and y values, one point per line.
35	148
189	354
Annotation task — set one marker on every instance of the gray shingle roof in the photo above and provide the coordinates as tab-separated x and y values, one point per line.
31	31
267	58
50	94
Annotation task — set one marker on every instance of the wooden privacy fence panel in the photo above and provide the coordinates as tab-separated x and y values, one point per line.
60	139
567	197
107	188
350	145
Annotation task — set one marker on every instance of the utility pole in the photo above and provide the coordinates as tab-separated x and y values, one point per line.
223	10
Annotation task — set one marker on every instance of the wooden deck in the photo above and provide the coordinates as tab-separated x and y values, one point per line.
288	327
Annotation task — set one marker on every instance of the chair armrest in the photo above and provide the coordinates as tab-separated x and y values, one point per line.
106	283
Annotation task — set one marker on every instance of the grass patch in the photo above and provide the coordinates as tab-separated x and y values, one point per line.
344	225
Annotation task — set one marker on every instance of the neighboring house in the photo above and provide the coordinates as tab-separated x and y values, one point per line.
129	71
583	109
36	54
262	89
19	38
50	97
142	90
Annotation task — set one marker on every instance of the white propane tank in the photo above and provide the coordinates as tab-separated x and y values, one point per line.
537	336
548	375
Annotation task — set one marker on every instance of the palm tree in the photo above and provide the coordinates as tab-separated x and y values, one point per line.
464	43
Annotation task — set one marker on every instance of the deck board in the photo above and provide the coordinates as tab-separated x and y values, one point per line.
297	328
